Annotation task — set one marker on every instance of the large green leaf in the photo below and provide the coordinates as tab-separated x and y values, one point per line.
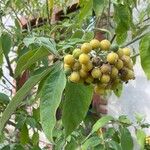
122	17
145	54
77	100
29	58
101	122
4	99
50	99
85	11
140	134
20	95
98	6
5	43
42	41
126	139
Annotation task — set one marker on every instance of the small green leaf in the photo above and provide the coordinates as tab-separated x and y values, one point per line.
140	134
124	120
118	89
24	135
101	122
4	99
35	138
126	139
88	36
51	98
78	97
20	95
5	43
77	34
145	54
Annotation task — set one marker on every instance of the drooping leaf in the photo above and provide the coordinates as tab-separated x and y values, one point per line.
140	134
77	100
30	58
145	54
42	41
5	43
101	122
20	95
24	135
126	139
50	99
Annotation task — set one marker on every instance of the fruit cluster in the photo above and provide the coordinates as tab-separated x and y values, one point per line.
99	63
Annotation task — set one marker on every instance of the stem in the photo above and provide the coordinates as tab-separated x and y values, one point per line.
48	12
9	66
134	40
135	55
113	38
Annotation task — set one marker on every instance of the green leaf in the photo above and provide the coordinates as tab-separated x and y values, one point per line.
5	43
35	138
24	135
85	11
118	89
78	97
72	145
124	120
42	41
126	139
77	34
91	143
114	145
20	95
98	6
123	19
88	36
29	58
4	99
140	134
145	54
101	122
51	98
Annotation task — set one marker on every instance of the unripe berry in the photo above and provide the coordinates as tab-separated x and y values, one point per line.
76	66
67	69
105	45
84	58
89	79
126	51
114	72
83	73
69	59
130	75
120	53
95	44
86	48
88	66
105	78
96	73
114	48
76	53
74	77
119	64
126	59
99	90
105	68
112	58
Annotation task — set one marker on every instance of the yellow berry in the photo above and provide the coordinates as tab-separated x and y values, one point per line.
105	68
74	77
76	53
84	58
86	48
87	67
120	53
126	51
126	59
99	90
119	64
112	58
69	59
83	73
130	75
96	73
95	44
114	72
105	45
105	78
